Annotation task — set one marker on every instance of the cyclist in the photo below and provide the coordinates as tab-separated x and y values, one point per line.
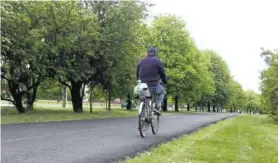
150	70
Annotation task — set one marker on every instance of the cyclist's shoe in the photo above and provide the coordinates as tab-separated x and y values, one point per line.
156	111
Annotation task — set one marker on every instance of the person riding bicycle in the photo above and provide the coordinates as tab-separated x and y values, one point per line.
150	70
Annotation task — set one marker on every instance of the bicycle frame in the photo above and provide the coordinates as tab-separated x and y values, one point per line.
149	105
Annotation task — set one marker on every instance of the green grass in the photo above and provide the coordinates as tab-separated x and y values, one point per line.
243	139
55	104
46	114
9	115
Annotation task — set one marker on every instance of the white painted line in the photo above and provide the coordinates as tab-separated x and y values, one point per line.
18	139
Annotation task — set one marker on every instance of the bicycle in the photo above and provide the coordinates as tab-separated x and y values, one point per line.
146	116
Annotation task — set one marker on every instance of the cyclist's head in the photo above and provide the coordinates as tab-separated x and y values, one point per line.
152	50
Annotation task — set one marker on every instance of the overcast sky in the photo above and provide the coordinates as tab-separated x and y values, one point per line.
235	29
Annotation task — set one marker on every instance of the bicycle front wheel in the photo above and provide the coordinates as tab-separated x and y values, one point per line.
143	126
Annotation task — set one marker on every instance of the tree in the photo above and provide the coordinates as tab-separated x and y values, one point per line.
183	62
252	100
72	38
237	96
210	85
221	77
269	84
23	51
118	44
205	87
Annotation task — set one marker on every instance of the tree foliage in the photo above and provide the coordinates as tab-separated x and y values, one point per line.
237	97
252	101
186	67
24	63
97	44
269	84
219	91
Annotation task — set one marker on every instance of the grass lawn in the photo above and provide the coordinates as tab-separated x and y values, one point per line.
9	115
243	139
45	114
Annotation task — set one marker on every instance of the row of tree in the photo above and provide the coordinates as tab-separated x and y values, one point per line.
74	43
97	44
269	84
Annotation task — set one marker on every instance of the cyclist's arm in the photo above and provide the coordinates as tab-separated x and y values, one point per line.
161	72
137	71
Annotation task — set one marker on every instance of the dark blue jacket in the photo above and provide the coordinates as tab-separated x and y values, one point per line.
150	70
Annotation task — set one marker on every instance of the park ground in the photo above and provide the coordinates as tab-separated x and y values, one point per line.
243	139
46	111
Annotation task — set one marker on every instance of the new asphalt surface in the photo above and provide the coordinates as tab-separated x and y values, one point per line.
91	141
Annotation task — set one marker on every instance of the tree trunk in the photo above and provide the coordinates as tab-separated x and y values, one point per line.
58	96
19	105
165	108
196	107
91	98
17	96
188	107
109	99
128	105
213	106
208	106
106	100
64	96
29	105
77	96
31	96
176	103
233	108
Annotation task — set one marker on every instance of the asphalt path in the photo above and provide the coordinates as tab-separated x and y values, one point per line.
91	141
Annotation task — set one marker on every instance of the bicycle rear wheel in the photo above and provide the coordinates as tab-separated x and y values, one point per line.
143	126
155	124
